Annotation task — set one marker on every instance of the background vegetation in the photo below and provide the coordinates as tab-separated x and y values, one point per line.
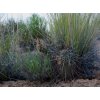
29	50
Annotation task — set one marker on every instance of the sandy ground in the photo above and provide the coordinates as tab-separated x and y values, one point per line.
74	83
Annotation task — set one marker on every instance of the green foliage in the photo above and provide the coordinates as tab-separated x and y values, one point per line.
37	26
74	30
10	26
69	38
23	31
34	28
7	66
38	65
5	43
75	33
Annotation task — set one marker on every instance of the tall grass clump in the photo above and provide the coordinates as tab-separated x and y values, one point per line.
32	31
25	38
8	50
5	57
74	34
37	65
37	26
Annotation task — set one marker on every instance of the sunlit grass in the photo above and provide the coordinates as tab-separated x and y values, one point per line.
74	33
74	30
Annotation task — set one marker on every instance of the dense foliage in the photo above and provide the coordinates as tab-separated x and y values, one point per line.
30	50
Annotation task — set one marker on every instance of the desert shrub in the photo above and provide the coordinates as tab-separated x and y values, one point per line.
73	32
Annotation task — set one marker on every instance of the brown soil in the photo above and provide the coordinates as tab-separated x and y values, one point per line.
74	83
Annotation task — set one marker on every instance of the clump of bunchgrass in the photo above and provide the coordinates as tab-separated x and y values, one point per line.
37	65
73	32
37	26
